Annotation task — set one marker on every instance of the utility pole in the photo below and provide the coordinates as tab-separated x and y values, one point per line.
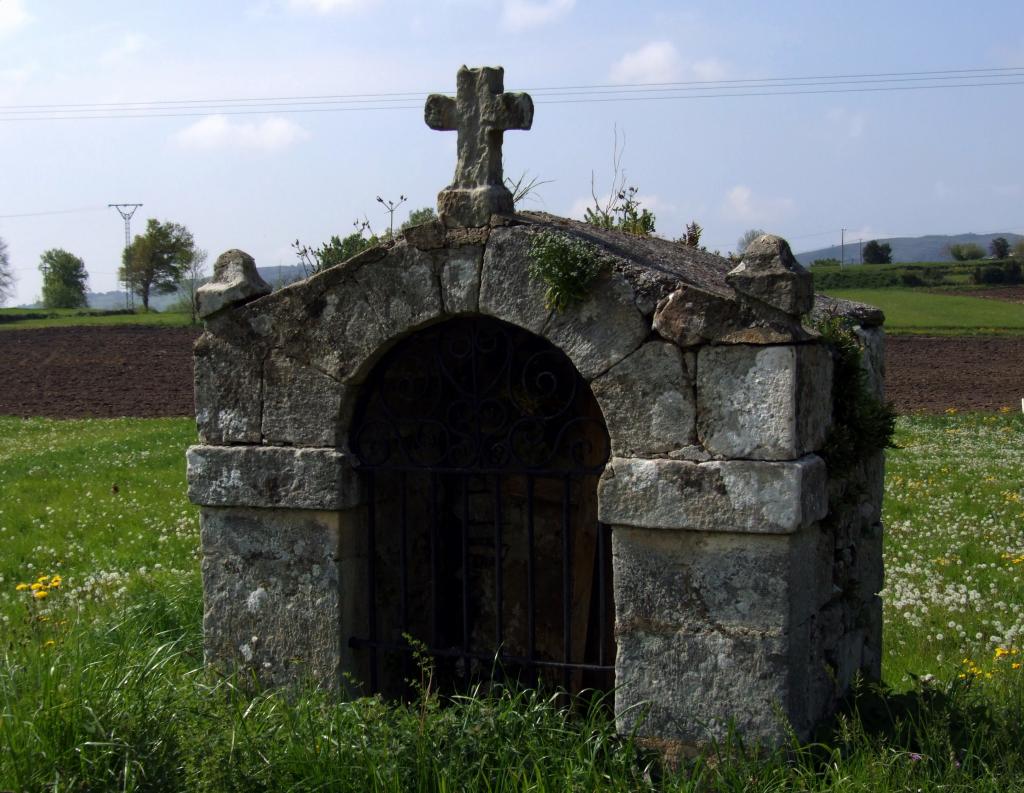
126	211
842	248
391	207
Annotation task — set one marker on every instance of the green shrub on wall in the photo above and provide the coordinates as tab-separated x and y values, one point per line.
861	422
566	265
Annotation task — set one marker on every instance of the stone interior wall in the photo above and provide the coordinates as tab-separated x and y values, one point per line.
745	578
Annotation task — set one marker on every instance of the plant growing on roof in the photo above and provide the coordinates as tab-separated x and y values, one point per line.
567	266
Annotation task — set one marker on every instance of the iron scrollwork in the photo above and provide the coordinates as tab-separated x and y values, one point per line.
478	394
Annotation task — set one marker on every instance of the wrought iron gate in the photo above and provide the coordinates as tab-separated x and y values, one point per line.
481	446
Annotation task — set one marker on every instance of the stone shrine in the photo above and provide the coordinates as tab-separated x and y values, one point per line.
627	492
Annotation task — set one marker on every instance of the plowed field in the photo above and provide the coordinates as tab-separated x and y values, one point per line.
147	371
97	372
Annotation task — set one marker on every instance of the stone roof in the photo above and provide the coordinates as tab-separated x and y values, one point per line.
663	262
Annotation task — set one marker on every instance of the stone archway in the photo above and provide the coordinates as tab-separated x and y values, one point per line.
480	448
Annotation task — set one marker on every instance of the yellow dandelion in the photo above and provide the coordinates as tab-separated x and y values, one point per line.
1015	665
56	581
21	587
36	587
49	643
1001	651
40	594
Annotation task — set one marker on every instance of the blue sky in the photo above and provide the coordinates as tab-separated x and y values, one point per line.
804	166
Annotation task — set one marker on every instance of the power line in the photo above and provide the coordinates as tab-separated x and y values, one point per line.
397	96
54	212
753	87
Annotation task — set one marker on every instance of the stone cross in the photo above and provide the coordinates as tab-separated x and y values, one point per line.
480	112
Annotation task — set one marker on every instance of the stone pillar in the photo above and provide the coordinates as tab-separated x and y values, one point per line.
283	560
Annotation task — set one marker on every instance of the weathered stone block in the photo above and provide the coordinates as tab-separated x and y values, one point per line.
506	289
235	281
872	342
764	403
690	316
402	291
731	496
301	406
600	331
272	476
229	386
690	687
460	279
271	594
648	401
770	274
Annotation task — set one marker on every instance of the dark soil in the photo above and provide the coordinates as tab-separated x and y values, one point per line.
97	372
930	374
141	371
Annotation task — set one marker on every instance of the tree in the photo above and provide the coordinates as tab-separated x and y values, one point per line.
6	274
191	279
691	238
418	217
966	251
335	251
748	237
1018	251
877	253
155	261
1000	247
64	279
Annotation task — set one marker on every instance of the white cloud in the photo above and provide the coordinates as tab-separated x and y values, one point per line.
742	205
518	15
851	123
130	44
218	132
659	62
328	6
710	69
12	16
656	62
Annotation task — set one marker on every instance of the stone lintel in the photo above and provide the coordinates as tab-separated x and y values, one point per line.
726	496
272	476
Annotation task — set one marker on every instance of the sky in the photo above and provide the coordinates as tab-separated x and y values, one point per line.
802	159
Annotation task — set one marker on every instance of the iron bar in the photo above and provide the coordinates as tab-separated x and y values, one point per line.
435	564
465	565
566	581
371	574
499	594
531	606
454	652
403	560
603	532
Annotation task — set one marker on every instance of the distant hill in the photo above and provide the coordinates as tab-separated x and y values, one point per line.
931	248
275	276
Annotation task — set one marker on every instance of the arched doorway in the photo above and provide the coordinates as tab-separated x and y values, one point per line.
481	447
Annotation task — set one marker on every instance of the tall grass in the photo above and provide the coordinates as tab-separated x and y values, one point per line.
102	684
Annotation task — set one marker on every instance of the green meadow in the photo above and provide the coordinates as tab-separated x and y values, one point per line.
916	311
25	318
102	683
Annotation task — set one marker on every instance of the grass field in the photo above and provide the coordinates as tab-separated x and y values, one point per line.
25	318
102	685
926	313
